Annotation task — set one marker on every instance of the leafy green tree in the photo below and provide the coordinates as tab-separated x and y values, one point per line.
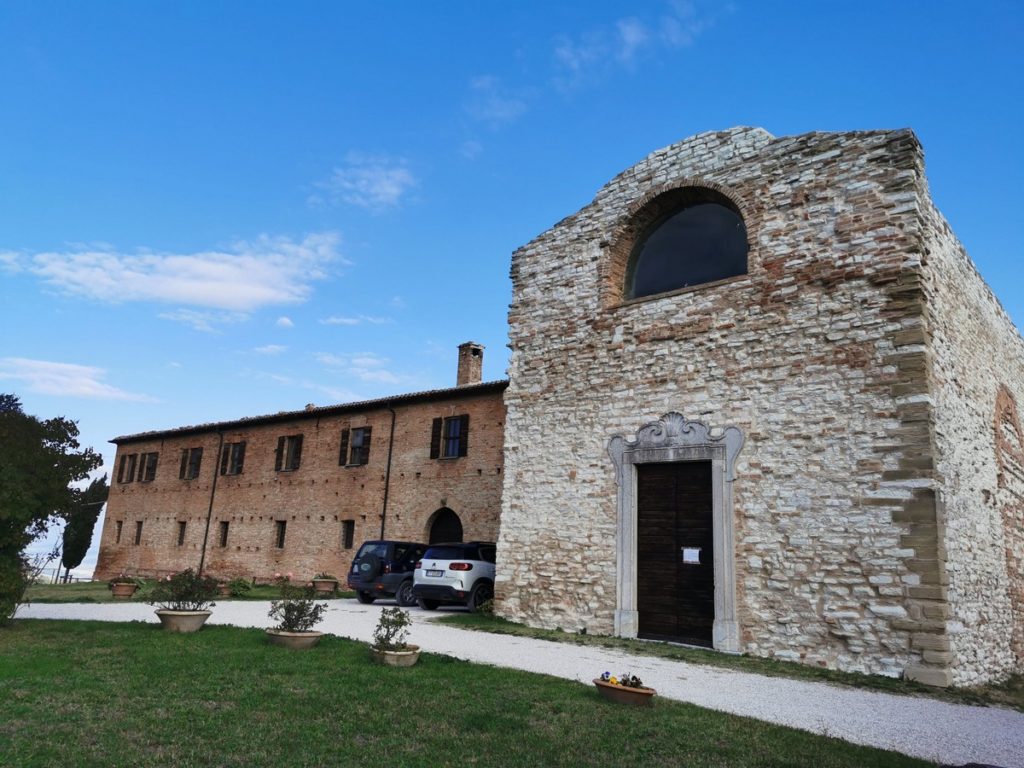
39	461
81	523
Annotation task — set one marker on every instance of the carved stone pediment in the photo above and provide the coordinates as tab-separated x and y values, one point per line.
673	430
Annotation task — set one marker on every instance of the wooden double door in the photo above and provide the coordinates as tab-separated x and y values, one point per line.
675	552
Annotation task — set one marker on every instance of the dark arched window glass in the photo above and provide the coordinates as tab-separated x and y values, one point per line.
699	240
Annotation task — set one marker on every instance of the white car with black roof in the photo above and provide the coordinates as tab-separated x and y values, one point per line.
457	573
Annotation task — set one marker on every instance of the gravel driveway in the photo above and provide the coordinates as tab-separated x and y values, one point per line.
951	734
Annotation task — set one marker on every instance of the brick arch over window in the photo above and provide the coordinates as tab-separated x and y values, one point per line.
644	215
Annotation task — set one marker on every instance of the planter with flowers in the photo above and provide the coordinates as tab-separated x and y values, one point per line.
296	614
325	584
185	600
389	646
625	689
123	586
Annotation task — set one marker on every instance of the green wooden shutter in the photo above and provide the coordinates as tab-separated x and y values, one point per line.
184	464
463	434
240	458
435	438
367	432
343	453
279	454
224	453
296	457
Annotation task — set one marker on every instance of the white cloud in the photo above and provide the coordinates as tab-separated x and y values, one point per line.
247	275
364	366
374	182
270	349
491	103
10	261
397	302
202	320
632	35
64	379
356	320
471	150
284	322
587	55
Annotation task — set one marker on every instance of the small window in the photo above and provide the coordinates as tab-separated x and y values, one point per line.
449	437
138	532
147	467
289	453
126	468
348	533
181	533
699	238
355	447
117	535
191	460
232	458
223	538
280	527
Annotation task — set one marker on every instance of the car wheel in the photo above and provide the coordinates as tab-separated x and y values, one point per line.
365	597
428	605
369	567
481	594
404	596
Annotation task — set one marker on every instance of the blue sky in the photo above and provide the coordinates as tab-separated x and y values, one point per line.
214	210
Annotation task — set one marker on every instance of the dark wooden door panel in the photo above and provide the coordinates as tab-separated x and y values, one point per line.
675	600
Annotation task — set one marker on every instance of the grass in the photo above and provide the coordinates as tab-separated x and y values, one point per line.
97	592
103	694
1008	694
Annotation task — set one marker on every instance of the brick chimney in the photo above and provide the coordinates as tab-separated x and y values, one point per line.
471	363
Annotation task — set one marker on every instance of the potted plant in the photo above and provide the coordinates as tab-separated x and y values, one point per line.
389	646
325	584
296	614
185	600
122	586
625	689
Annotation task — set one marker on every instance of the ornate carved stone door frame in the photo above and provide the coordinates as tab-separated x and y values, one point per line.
673	438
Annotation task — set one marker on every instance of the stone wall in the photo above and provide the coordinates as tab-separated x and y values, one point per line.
816	355
978	368
313	500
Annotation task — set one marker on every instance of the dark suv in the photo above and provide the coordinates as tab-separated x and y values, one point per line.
385	569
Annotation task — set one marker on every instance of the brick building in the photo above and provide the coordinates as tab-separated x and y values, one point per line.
779	411
299	491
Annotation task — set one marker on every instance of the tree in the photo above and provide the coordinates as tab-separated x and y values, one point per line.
39	461
81	523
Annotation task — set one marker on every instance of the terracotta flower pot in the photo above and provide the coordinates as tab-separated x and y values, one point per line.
182	621
624	695
123	591
405	658
297	641
325	586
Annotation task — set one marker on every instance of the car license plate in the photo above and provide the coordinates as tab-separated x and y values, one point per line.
435	574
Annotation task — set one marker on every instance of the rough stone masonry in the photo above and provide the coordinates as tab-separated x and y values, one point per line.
855	391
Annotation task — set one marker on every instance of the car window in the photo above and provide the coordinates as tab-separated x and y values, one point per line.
445	553
400	551
378	548
488	554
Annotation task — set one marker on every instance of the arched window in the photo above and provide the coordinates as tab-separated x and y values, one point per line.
444	527
695	236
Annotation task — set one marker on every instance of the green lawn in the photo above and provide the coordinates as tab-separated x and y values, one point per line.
97	592
100	694
1008	694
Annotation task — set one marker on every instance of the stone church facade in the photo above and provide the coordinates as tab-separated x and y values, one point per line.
299	491
811	451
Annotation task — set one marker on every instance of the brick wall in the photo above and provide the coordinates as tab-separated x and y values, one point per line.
313	500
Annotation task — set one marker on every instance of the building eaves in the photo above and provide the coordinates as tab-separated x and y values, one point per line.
427	396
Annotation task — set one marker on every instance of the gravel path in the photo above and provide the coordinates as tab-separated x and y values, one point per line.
950	734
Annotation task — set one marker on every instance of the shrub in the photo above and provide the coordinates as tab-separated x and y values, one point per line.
391	630
239	587
185	591
296	611
14	580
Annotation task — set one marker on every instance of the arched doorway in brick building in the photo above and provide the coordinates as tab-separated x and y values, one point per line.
444	526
